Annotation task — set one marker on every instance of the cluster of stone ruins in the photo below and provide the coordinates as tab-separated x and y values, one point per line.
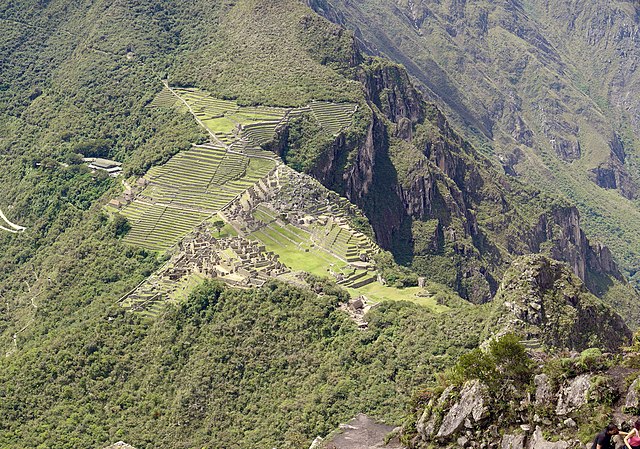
286	197
236	260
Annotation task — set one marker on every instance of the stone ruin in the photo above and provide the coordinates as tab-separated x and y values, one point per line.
294	198
234	260
357	308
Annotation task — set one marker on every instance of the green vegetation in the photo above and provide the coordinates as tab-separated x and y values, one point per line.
504	362
280	361
223	367
553	126
267	53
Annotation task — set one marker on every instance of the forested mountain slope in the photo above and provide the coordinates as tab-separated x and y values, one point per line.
232	368
548	87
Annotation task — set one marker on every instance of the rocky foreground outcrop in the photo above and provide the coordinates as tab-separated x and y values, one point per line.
362	432
547	416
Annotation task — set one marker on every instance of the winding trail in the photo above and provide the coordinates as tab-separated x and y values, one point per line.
29	323
15	228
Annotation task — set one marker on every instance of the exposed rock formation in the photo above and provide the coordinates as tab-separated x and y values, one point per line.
410	167
544	390
361	432
538	442
471	407
573	395
479	416
540	298
632	399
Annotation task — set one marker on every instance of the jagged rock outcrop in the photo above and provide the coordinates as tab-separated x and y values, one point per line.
505	74
544	389
539	442
453	411
574	395
428	421
562	227
471	407
632	399
540	298
524	422
513	441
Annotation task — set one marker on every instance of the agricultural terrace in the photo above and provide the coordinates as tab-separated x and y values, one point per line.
333	117
317	249
164	99
307	226
228	121
257	125
191	187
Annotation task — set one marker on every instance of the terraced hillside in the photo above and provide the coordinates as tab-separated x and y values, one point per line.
165	99
189	188
197	183
286	222
333	117
307	226
227	121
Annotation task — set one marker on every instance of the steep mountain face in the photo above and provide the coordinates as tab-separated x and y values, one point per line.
438	204
522	78
239	368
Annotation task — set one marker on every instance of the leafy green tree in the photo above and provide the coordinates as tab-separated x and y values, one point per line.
218	224
120	225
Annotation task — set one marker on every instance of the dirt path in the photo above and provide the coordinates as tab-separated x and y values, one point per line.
16	228
360	433
29	323
211	133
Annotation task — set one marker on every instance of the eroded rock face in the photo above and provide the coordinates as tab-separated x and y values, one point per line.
471	406
574	395
426	425
513	441
632	401
544	391
538	442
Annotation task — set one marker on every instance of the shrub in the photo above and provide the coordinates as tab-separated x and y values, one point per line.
504	362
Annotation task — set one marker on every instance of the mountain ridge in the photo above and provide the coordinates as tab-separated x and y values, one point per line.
224	366
514	80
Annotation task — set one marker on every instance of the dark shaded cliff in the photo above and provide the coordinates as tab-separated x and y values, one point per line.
545	86
435	202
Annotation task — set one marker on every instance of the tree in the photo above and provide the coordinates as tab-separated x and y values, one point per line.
218	224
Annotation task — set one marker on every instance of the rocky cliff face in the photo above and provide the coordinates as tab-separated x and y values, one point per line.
560	411
529	78
436	202
543	300
570	245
